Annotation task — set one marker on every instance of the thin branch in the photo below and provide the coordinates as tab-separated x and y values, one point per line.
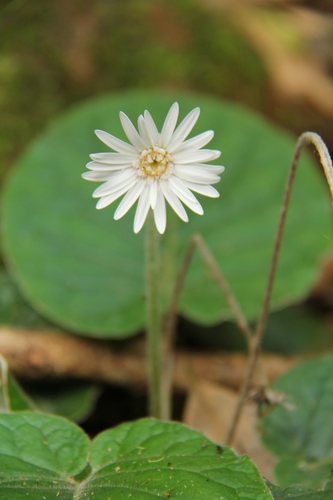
221	281
224	286
305	139
169	332
197	242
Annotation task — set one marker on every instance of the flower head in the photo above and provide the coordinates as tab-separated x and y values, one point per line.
154	167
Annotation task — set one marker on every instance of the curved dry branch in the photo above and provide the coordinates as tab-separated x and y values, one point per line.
305	139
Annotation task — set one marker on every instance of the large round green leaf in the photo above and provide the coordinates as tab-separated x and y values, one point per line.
83	270
46	457
149	458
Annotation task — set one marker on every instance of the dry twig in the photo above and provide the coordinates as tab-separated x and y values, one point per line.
40	355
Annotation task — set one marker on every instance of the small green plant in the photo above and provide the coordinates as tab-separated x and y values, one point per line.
94	287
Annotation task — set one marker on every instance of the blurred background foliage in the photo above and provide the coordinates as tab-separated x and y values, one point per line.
274	56
55	54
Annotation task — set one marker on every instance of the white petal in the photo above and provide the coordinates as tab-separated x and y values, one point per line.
183	129
173	201
151	127
142	210
203	189
144	133
213	169
103	167
197	142
114	158
129	200
153	194
169	124
109	188
194	156
115	143
131	132
107	200
160	213
193	205
96	176
178	186
116	181
198	175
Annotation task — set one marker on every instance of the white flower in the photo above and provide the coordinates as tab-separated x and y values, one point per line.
154	167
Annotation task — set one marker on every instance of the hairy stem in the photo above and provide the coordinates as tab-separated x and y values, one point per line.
153	316
305	139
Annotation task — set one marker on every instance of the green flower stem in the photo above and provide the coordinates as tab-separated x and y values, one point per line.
153	316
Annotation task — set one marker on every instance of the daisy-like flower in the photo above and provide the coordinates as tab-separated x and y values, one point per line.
155	167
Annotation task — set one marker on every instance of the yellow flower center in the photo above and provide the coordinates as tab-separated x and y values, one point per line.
153	162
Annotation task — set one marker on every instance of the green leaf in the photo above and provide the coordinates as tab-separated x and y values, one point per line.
12	397
40	455
292	330
14	310
296	329
82	269
152	458
73	400
303	437
19	400
300	492
296	471
37	454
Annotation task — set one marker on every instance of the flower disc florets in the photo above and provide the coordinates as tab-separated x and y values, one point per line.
155	167
154	162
